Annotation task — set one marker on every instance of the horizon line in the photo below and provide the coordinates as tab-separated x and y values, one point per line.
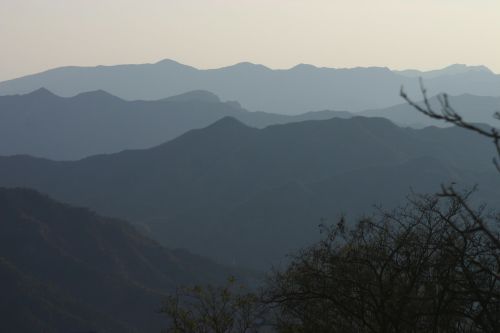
249	63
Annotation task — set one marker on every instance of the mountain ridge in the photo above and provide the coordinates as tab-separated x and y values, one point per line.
44	124
196	190
473	108
91	271
259	88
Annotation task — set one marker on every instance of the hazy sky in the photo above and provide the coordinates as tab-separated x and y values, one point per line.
40	34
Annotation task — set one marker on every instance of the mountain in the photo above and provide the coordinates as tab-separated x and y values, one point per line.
289	91
195	95
450	70
248	196
67	269
45	125
475	109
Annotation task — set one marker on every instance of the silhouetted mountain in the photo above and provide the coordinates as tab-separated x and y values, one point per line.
248	196
66	269
196	95
476	109
450	70
45	125
290	91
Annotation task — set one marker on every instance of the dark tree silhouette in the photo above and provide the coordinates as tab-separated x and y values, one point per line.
408	270
430	266
488	227
473	227
209	309
433	266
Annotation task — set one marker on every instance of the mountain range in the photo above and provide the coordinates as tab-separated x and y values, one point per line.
259	88
46	125
43	124
67	269
474	109
248	196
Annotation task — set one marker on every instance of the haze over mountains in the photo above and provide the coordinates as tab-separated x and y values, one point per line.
217	179
249	196
475	109
296	90
170	148
43	124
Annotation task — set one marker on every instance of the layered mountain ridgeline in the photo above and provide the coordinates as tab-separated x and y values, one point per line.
45	125
475	109
290	91
248	196
66	269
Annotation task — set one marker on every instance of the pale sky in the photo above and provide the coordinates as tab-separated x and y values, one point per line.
36	35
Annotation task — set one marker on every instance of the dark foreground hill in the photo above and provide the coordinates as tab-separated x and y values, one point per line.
67	269
45	125
248	196
287	91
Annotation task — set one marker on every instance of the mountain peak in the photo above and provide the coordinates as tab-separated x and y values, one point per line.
303	67
42	93
247	65
454	69
167	62
171	63
195	95
228	122
97	95
463	68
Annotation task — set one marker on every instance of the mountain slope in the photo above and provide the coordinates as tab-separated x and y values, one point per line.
291	91
66	269
45	125
28	305
248	196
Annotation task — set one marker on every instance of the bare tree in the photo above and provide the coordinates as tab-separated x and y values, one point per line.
208	309
430	266
448	114
490	228
408	270
477	230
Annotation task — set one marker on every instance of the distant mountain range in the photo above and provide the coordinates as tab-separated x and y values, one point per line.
289	91
67	269
447	71
249	196
476	109
43	124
